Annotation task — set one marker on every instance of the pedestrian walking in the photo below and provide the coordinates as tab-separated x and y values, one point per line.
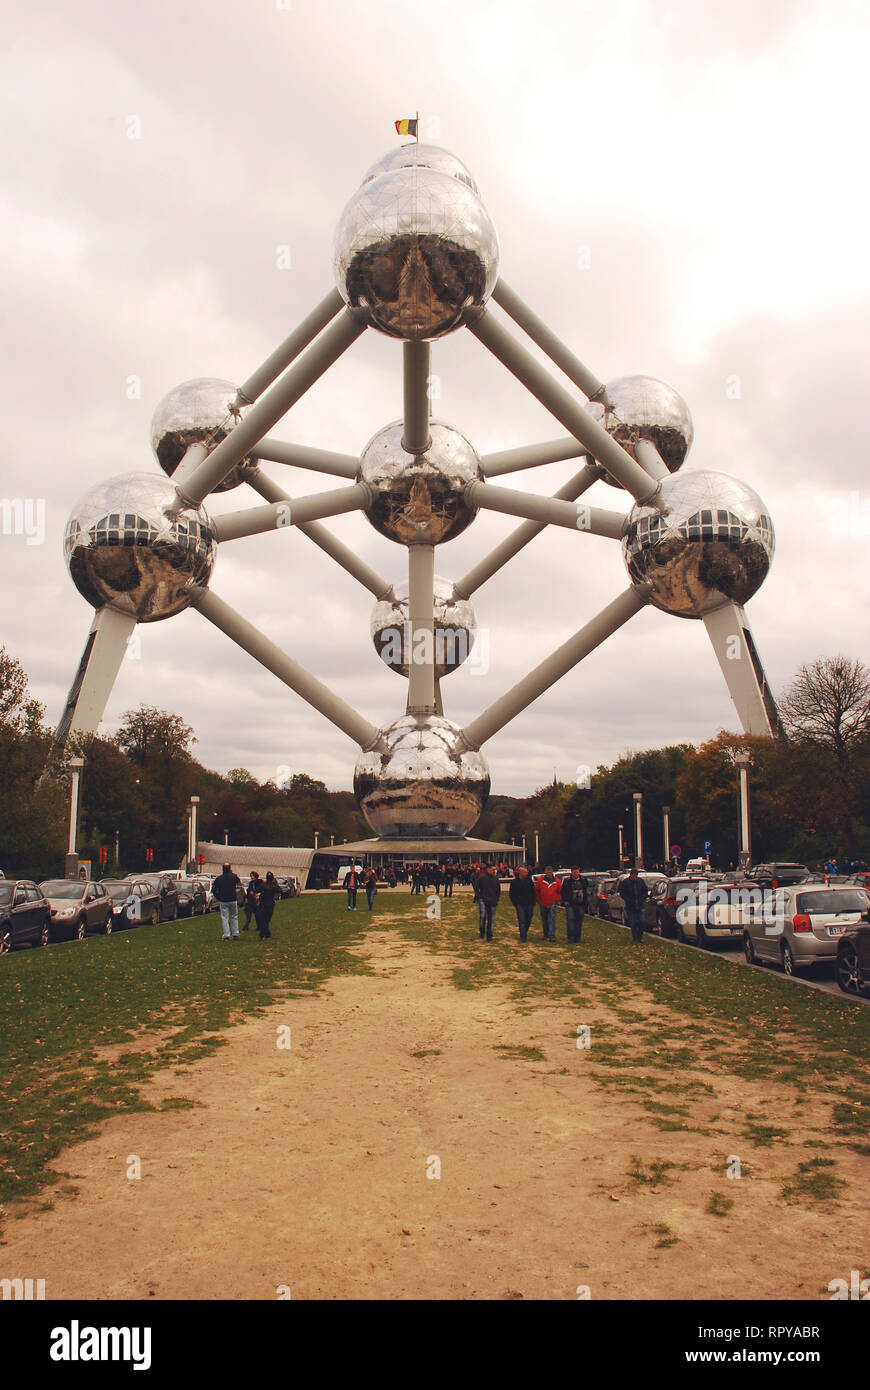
448	876
522	895
251	892
487	891
265	905
351	883
370	884
225	888
633	892
548	891
574	899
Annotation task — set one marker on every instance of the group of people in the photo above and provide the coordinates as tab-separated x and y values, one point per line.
260	896
355	880
547	893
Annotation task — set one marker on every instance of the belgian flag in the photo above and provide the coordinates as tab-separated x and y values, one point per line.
406	127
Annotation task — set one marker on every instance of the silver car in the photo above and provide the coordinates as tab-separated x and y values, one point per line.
616	903
800	926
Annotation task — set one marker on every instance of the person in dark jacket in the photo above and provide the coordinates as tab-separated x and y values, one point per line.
522	895
351	883
633	892
575	897
448	875
251	892
487	891
225	887
370	884
265	904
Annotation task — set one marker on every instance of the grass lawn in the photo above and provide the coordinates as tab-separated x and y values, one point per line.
168	991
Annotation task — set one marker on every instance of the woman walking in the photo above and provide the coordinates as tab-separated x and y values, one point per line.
370	884
266	905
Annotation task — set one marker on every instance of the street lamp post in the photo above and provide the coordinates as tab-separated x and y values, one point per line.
191	847
621	828
72	857
666	826
316	838
744	762
226	837
638	830
537	847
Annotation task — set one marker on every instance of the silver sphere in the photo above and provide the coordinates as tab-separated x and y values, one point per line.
454	629
421	780
419	499
416	251
421	157
129	544
631	408
712	543
202	411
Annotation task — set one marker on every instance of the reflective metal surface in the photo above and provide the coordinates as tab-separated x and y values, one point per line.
713	543
642	407
128	544
416	250
201	411
419	498
454	629
421	780
421	157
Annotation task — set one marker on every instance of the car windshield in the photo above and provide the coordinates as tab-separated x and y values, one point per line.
117	890
185	883
836	900
63	888
6	893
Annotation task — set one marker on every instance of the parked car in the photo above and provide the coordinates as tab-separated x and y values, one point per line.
615	904
167	891
134	901
805	927
853	957
599	903
777	875
79	906
192	898
702	911
289	886
25	915
212	903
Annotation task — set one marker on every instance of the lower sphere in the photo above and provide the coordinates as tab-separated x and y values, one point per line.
421	780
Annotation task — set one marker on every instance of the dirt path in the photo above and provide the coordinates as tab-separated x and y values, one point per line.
308	1167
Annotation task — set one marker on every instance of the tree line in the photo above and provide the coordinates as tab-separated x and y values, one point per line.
810	790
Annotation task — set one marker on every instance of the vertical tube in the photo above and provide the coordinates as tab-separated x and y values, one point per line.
415	373
638	829
666	827
421	615
745	824
621	847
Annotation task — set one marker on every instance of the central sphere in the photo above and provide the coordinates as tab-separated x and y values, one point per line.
710	544
454	628
202	411
419	499
129	544
421	780
416	251
631	408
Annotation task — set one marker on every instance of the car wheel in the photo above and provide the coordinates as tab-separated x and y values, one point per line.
788	964
749	950
664	924
848	976
6	941
174	917
81	930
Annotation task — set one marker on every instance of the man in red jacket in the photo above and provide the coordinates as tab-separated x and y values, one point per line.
548	891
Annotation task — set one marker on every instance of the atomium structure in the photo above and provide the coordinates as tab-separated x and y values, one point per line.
416	257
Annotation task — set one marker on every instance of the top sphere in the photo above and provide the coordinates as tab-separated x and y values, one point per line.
710	544
129	544
416	251
202	411
421	157
631	408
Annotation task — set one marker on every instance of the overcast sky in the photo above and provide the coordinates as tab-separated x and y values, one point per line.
677	191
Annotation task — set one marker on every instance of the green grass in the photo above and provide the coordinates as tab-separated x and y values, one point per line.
719	1205
61	1006
520	1052
814	1182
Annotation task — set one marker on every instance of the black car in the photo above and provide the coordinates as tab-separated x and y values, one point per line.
778	875
192	897
24	915
167	891
133	902
853	958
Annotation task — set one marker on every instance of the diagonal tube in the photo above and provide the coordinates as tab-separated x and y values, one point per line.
301	456
546	339
554	667
330	544
261	417
567	411
519	538
313	691
287	352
